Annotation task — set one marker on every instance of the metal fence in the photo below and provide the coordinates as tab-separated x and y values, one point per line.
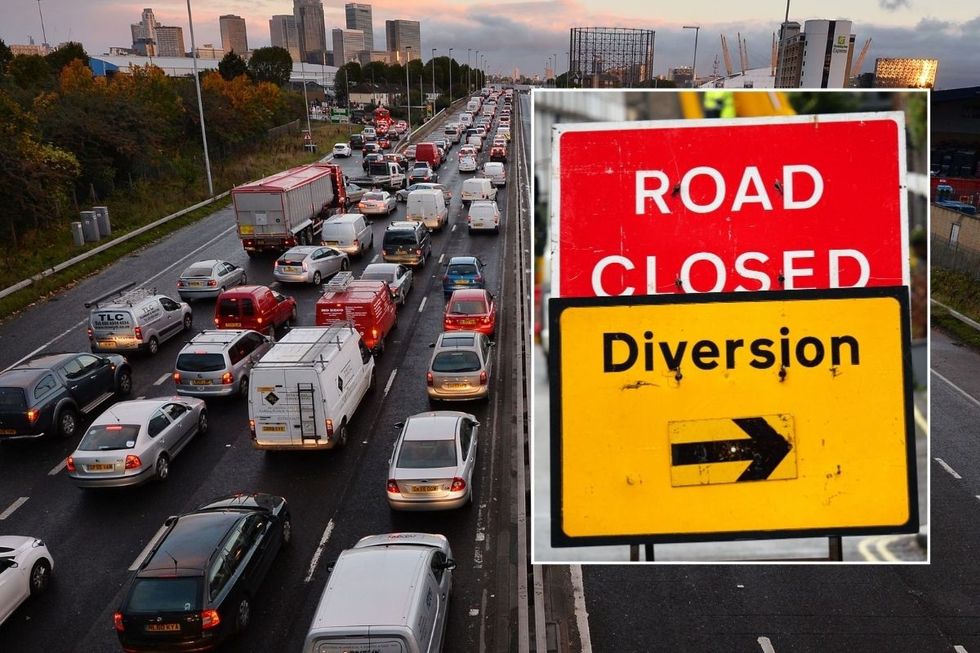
952	255
289	128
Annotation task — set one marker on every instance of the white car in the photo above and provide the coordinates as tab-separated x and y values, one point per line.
25	570
483	215
342	149
309	264
467	163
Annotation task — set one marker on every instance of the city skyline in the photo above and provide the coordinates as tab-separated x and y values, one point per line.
531	35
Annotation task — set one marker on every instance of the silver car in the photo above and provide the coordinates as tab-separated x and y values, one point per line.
217	363
431	467
398	277
206	279
133	442
309	264
460	366
377	203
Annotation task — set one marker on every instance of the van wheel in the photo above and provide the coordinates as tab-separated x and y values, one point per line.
317	278
163	467
287	531
188	322
373	382
342	435
67	422
243	614
243	387
153	346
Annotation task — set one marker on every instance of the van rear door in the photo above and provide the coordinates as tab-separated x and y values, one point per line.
357	644
113	328
286	405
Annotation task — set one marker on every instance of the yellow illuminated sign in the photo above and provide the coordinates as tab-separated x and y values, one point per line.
745	415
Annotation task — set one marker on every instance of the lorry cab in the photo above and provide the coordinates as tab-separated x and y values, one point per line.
368	305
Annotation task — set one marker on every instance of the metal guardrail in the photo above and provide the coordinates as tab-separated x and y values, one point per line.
104	246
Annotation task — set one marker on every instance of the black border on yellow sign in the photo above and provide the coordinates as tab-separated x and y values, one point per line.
557	305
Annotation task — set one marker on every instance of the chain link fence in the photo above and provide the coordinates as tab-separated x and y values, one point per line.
950	254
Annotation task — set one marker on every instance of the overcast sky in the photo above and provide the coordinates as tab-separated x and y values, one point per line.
525	34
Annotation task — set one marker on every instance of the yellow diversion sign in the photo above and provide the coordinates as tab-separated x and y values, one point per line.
731	416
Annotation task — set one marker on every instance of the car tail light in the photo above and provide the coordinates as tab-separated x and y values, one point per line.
357	242
176	377
180	283
251	428
418	252
139	333
486	319
260	320
70	466
133	462
117	621
216	322
33	414
290	242
212	283
329	424
483	377
429	381
227	378
210	619
91	334
374	333
393	486
458	485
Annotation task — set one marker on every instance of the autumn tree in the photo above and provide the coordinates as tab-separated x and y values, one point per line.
64	55
5	56
30	71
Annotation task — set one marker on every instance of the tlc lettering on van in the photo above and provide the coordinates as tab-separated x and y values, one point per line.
621	352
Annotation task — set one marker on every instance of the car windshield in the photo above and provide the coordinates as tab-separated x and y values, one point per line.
197	271
427	454
12	399
165	595
200	362
468	307
107	437
373	197
462	268
456	361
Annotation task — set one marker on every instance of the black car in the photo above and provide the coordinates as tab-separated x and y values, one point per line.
422	171
371	158
356	141
49	393
195	587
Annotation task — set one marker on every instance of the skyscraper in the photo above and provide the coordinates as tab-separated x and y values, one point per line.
170	41
311	30
359	17
284	34
233	35
346	44
401	35
817	57
145	34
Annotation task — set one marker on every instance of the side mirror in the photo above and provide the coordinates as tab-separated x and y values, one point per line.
399	425
432	345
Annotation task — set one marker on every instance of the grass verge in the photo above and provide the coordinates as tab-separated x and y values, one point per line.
955	328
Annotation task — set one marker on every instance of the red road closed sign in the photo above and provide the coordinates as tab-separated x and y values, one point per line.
751	204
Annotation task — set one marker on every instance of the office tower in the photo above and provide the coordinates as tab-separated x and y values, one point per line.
346	44
145	30
401	35
359	17
170	41
817	57
311	30
284	34
233	35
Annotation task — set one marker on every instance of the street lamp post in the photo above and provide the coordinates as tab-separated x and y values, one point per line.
433	74
694	66
200	104
476	64
469	86
450	76
556	69
408	92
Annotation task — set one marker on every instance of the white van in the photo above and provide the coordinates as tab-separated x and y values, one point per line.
452	132
466	119
305	390
135	319
496	172
428	206
348	232
473	104
390	594
479	188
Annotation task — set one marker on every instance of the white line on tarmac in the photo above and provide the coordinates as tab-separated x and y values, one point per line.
945	465
319	550
57	468
146	282
442	257
957	388
881	545
453	229
141	397
146	549
864	548
14	506
959	649
375	259
581	614
391	379
162	379
422	305
766	645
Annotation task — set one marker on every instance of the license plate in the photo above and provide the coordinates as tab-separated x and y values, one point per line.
233	324
196	284
462	282
201	381
274	428
467	322
332	243
107	343
163	628
8	431
455	386
424	488
100	467
290	269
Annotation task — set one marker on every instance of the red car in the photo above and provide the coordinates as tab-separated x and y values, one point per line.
471	310
384	142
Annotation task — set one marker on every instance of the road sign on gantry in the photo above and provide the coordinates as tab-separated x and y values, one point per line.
731	416
750	204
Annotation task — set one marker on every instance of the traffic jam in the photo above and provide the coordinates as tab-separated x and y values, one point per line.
295	424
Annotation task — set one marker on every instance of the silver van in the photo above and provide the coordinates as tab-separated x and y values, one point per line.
348	232
388	593
217	363
135	319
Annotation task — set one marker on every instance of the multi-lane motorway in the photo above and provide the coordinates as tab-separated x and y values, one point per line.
336	497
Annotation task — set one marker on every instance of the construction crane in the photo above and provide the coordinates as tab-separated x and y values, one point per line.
856	68
727	55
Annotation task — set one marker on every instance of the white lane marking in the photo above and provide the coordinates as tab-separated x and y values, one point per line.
275	284
143	283
146	549
442	257
14	506
957	388
959	649
945	465
581	614
57	468
162	379
766	645
375	259
422	305
864	548
391	379
882	544
319	550
453	229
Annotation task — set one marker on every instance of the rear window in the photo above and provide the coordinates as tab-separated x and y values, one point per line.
292	259
427	454
377	197
12	399
192	362
456	361
230	307
469	307
400	237
462	268
197	272
165	595
376	276
106	437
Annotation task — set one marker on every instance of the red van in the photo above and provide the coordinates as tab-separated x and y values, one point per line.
368	305
253	307
428	152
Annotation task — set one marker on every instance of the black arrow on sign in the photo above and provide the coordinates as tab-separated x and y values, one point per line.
765	447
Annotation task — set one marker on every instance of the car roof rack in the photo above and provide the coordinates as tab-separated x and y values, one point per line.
340	282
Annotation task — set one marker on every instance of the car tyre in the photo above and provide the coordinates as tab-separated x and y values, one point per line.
243	614
162	469
243	387
124	384
287	530
67	422
40	576
202	421
188	322
244	280
344	266
153	346
373	382
317	278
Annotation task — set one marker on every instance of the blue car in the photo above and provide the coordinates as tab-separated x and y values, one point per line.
463	272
